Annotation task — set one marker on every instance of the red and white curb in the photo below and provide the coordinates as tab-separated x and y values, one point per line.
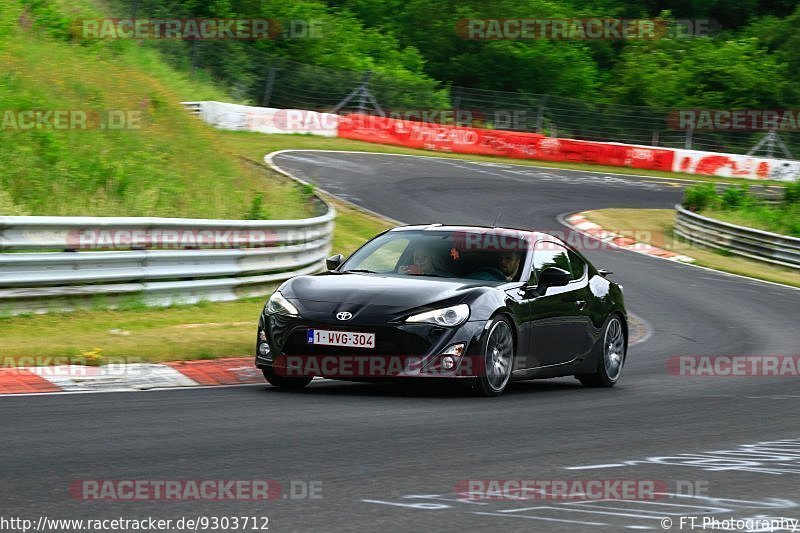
129	377
581	224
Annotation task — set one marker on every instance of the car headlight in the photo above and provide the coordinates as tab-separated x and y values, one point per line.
277	304
447	316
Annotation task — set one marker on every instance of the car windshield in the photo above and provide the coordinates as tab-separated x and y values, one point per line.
491	255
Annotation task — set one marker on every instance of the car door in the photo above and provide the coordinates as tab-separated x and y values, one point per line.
580	280
560	330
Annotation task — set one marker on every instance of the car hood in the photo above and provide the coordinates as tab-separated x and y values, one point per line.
375	294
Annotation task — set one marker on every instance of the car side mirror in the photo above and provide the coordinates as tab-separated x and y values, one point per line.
334	261
553	277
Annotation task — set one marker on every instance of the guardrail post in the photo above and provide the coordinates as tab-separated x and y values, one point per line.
273	70
540	113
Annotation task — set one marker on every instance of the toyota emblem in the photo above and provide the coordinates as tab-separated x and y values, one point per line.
344	315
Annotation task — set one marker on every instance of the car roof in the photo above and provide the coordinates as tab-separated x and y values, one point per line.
528	233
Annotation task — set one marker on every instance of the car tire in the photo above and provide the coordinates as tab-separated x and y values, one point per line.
611	359
497	358
284	382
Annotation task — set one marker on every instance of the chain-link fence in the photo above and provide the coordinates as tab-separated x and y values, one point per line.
288	84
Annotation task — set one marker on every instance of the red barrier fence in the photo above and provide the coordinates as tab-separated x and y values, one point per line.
444	137
479	141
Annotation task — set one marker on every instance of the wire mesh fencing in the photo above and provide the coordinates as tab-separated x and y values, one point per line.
291	85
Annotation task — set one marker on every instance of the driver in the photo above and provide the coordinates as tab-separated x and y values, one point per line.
506	269
509	264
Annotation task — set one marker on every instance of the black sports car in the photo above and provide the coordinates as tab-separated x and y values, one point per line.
487	305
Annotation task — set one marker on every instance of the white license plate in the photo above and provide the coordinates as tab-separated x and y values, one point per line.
351	339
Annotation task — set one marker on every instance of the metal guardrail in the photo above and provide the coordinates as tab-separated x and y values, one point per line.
165	260
747	242
111	233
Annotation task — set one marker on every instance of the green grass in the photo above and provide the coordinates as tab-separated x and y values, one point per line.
141	334
783	220
172	165
659	224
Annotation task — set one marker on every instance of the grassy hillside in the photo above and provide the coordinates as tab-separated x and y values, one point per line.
171	165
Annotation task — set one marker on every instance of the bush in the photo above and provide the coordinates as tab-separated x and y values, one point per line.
792	221
257	211
699	197
792	194
735	197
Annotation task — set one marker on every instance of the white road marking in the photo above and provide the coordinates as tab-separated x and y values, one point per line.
591	467
627	514
530	517
424	506
770	457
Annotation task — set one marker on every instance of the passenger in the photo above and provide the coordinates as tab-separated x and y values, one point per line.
424	264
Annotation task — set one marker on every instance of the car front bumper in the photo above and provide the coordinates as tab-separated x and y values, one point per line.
401	350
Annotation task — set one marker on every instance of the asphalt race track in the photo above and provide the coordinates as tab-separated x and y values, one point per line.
389	458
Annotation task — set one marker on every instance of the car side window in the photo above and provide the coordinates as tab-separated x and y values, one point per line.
578	265
549	254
